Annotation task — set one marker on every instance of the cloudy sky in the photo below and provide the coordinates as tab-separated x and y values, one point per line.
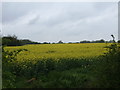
66	21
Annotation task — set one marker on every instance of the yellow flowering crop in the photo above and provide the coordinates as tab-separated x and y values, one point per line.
56	51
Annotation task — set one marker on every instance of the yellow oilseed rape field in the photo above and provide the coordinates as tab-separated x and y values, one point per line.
56	51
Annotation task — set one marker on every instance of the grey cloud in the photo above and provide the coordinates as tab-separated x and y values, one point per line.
61	21
14	10
34	21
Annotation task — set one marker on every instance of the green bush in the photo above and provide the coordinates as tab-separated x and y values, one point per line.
107	70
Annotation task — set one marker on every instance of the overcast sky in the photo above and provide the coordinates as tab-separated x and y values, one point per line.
68	21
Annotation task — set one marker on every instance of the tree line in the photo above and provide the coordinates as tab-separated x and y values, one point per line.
14	41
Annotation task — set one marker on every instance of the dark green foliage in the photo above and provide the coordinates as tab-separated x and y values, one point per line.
13	41
60	41
10	41
107	69
97	41
26	41
9	71
46	43
85	41
118	41
8	79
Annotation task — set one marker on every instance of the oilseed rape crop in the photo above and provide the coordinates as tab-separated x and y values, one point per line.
57	51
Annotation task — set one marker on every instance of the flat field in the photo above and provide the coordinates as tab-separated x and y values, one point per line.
56	51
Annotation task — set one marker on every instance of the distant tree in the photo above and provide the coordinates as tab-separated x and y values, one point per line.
60	41
45	43
84	41
70	42
27	41
53	43
98	41
101	41
13	41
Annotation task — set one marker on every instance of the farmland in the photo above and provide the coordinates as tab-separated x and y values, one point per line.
57	51
61	66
